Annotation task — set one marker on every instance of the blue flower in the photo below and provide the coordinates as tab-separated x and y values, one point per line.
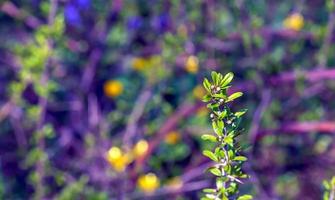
72	15
83	3
134	23
162	22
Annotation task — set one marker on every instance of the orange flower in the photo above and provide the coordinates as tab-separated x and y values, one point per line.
113	88
192	64
172	137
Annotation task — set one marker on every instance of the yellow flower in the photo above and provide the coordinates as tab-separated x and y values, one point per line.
172	137
113	88
192	64
148	183
140	148
140	64
294	22
117	159
175	183
199	92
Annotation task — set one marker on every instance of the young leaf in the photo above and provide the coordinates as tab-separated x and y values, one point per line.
234	96
214	77
227	79
240	113
215	171
211	196
240	158
210	155
229	140
326	185
220	125
209	190
207	85
216	128
206	98
211	138
245	197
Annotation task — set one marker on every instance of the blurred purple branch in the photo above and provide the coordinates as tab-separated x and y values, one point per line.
253	132
327	41
195	172
315	75
135	115
257	117
226	44
90	69
20	136
5	110
300	128
10	9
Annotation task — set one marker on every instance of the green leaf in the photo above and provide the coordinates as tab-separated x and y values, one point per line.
219	183
209	190
221	115
211	138
207	85
241	112
216	128
215	171
211	196
214	77
240	158
333	181
212	106
231	154
221	96
210	155
220	124
245	197
227	79
234	96
326	185
229	140
206	98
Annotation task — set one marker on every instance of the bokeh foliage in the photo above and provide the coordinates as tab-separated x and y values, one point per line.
101	99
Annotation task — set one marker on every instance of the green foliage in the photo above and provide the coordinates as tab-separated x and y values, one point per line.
329	186
226	153
80	190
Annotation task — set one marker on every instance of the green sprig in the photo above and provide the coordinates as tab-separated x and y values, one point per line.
226	155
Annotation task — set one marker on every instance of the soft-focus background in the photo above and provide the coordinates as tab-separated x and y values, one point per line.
100	99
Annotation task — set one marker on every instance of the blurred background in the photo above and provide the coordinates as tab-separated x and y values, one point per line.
102	99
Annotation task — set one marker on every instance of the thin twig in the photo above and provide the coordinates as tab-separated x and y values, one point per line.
135	115
322	62
256	119
300	128
10	9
